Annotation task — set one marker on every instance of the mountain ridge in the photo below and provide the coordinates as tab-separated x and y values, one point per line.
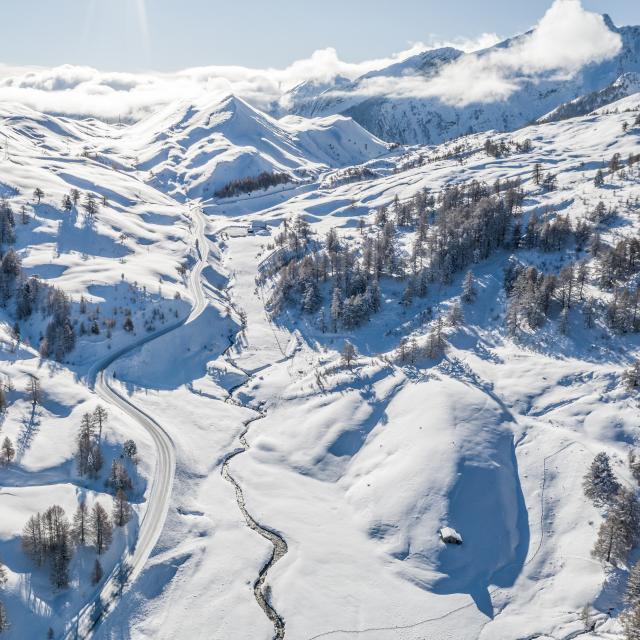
429	120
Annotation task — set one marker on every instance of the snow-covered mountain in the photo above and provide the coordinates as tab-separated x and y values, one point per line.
195	149
430	120
322	378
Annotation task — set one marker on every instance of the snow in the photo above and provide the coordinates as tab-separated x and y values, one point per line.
415	116
360	471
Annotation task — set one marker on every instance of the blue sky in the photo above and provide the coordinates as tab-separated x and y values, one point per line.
167	35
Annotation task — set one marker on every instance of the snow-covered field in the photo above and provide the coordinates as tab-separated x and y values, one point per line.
266	436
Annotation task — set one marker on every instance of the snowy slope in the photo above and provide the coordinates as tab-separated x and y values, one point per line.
626	85
124	257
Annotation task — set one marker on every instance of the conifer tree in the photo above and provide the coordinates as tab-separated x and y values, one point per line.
537	173
468	288
130	451
600	484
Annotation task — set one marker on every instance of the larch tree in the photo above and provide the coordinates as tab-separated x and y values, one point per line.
348	354
632	592
4	620
631	377
620	531
99	418
121	509
631	622
336	308
455	316
100	528
80	526
85	444
7	453
34	392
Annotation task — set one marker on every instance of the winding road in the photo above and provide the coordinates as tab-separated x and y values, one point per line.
132	563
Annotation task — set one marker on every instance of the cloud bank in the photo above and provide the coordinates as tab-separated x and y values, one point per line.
75	90
567	38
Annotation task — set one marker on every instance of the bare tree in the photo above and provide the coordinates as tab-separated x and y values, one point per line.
80	526
349	353
121	509
100	528
34	392
100	416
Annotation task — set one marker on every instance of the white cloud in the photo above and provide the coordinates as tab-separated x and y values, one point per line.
76	90
566	38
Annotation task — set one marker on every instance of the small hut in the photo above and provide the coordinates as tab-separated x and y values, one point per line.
450	536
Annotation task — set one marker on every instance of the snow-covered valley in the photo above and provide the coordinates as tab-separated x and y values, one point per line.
337	358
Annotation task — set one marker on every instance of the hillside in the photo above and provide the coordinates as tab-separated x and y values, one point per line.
492	435
192	151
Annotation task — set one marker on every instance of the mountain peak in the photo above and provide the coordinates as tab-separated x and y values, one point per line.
609	22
